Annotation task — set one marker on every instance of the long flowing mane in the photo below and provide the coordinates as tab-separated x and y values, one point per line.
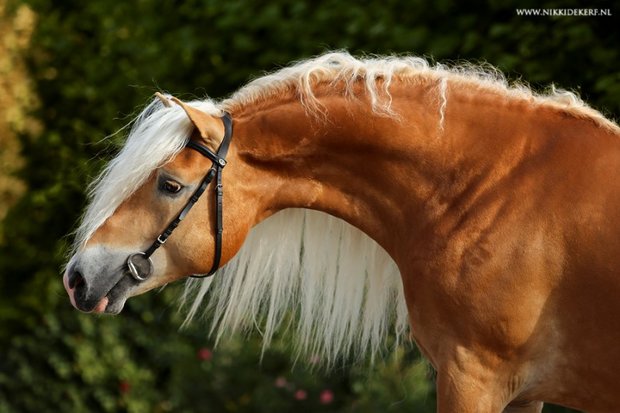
313	274
325	280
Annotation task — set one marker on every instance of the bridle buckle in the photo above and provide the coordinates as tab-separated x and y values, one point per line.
161	241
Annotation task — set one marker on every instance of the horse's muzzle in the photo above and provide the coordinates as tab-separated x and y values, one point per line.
77	289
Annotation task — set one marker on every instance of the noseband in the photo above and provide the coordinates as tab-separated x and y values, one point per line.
140	265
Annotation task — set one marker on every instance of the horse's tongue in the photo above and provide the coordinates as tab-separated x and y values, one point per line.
101	305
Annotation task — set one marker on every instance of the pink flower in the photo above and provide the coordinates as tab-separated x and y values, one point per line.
326	397
280	382
204	354
301	395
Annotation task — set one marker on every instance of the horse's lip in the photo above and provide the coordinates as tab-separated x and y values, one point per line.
101	305
113	301
118	294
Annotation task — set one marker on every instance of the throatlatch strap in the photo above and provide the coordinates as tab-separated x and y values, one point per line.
219	196
219	226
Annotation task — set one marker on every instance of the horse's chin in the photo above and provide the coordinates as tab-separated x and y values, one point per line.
106	306
113	308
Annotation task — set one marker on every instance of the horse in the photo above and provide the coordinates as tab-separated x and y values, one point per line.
352	198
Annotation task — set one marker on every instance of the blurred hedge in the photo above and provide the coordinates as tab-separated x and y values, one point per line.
16	98
96	62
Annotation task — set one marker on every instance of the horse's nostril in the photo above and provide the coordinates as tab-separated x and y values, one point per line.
75	279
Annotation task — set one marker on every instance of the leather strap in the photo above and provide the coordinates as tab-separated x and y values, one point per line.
161	239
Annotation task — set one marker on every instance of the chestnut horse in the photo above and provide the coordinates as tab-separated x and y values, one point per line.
479	218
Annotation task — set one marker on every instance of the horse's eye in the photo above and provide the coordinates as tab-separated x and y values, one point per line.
171	187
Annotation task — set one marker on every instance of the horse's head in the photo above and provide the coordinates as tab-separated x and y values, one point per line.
145	192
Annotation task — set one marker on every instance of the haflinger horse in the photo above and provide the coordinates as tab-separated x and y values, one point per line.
380	197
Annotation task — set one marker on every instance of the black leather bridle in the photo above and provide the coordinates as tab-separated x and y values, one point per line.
140	265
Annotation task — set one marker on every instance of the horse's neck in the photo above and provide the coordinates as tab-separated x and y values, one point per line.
390	177
356	165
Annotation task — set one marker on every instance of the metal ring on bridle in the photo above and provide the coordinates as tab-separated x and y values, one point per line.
140	266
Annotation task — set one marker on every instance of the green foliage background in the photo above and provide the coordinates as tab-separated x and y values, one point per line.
96	62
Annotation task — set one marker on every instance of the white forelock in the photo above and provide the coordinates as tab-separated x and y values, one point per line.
157	134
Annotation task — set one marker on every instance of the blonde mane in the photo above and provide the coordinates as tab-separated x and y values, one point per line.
311	274
380	73
302	270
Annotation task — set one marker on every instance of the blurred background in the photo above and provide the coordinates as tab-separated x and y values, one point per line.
73	72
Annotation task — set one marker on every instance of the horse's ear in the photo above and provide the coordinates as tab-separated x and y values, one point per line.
210	128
